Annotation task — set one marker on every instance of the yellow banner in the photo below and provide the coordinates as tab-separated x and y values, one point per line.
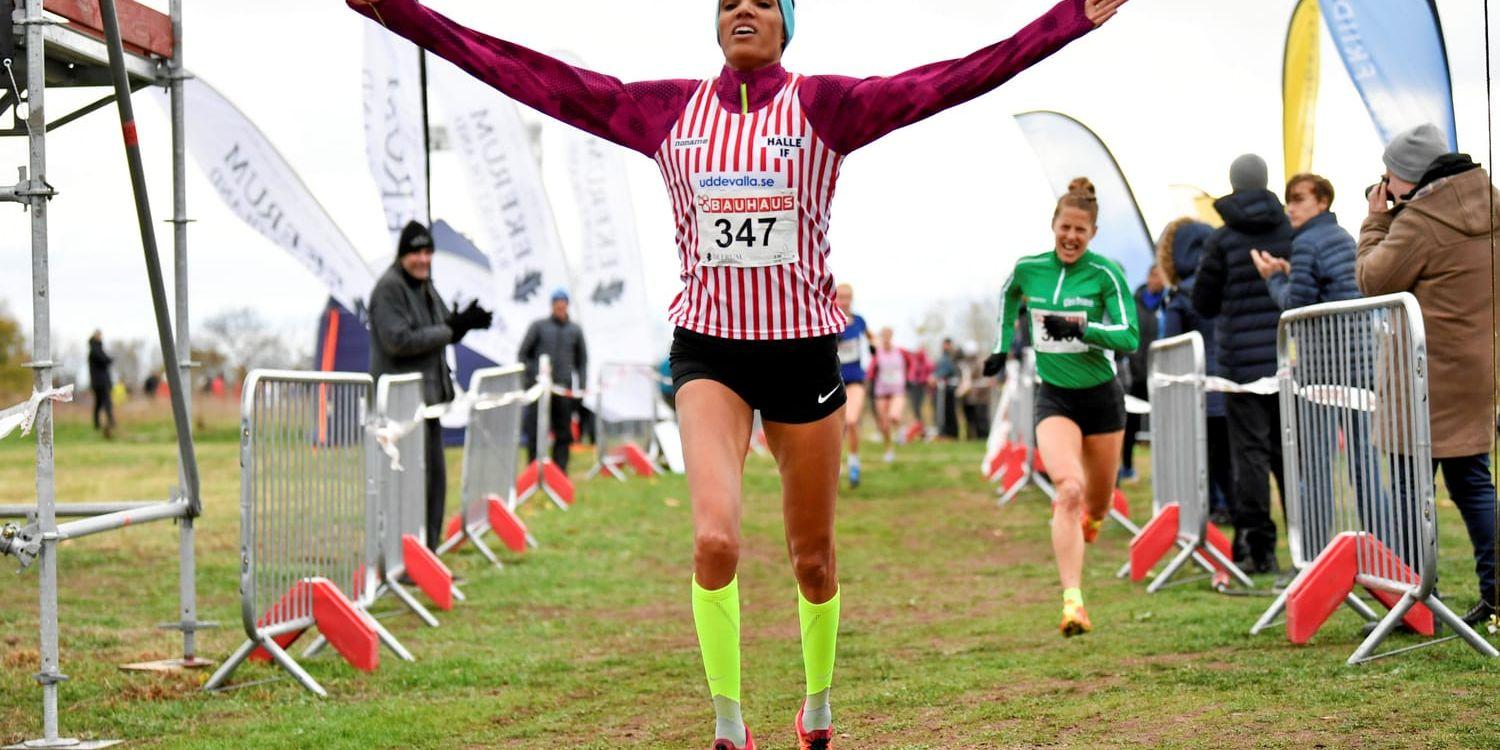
1299	86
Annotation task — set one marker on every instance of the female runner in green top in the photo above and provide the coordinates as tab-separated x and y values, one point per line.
1080	312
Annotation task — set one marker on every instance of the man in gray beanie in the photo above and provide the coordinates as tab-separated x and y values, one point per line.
1230	290
1430	232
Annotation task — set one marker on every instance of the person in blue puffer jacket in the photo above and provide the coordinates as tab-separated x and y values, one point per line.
1321	268
1232	291
1177	254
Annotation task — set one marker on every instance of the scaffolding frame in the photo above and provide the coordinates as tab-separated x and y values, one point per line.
79	43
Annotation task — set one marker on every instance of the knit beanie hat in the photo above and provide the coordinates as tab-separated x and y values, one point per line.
1248	173
414	238
1412	152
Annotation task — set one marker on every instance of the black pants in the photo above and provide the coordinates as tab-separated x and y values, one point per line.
915	393
561	417
1132	428
978	417
1255	453
103	402
437	484
1220	470
1472	489
948	416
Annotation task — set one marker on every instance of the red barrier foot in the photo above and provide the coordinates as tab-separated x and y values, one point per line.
290	606
632	454
1012	460
526	483
1321	590
507	525
558	482
344	625
1157	538
455	528
429	573
1120	503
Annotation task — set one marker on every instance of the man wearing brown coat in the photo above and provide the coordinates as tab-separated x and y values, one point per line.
1429	232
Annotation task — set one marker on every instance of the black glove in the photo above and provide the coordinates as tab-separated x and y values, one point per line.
1060	328
470	318
993	364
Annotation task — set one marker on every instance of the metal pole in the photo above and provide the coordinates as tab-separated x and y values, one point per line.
187	614
153	260
41	356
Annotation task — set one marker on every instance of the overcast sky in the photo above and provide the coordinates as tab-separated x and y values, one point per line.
936	212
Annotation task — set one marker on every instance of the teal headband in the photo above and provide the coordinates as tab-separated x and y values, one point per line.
788	20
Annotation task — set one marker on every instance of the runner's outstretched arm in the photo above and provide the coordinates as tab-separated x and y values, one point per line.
850	113
637	116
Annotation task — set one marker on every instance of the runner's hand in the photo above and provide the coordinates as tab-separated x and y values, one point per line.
993	364
1060	328
1100	11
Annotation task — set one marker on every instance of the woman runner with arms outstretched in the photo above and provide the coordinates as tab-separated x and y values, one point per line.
1081	312
750	158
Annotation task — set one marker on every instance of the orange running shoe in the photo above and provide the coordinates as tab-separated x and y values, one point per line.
821	739
723	744
1091	527
1075	620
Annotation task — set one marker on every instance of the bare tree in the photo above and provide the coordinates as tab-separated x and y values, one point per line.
246	341
15	380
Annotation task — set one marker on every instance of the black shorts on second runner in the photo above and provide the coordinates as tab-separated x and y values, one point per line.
1097	411
794	381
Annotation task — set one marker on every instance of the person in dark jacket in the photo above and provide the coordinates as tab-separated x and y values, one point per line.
946	377
1321	268
1177	254
1148	299
1230	290
100	383
558	337
410	330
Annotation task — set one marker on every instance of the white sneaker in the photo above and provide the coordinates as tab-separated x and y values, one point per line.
890	456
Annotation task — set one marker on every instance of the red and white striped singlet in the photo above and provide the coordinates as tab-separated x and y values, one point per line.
752	164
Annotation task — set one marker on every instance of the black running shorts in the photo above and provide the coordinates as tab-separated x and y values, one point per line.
794	381
1097	411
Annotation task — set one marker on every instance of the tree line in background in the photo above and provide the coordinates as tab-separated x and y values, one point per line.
226	346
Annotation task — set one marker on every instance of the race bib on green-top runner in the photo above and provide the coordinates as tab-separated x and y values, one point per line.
747	228
1046	344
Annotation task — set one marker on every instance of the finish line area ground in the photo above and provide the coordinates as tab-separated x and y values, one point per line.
949	636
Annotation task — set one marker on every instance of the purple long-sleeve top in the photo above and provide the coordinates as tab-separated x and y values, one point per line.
847	113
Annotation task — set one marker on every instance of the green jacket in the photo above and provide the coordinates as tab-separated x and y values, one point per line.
1094	289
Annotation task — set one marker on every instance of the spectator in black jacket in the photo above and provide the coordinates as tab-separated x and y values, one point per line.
100	383
1230	290
561	340
410	330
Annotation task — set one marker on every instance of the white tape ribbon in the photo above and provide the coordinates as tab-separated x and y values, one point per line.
388	434
1262	387
22	415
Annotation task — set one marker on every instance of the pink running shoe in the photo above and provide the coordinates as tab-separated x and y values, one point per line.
723	744
822	739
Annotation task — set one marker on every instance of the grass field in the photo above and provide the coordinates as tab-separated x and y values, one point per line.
949	633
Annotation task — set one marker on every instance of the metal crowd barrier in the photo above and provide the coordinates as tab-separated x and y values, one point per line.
1359	482
1020	459
308	556
400	479
492	445
1179	470
625	416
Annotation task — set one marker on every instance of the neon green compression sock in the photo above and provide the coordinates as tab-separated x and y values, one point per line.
717	617
820	630
1073	597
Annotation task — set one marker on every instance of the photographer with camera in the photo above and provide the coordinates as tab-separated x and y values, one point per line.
1429	232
